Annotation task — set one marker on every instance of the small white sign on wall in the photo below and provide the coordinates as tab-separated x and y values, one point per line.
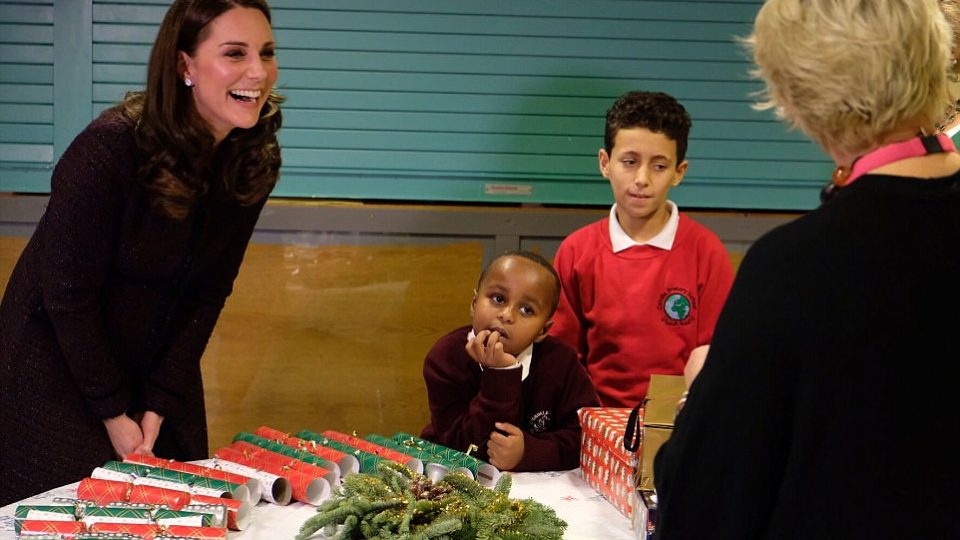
525	190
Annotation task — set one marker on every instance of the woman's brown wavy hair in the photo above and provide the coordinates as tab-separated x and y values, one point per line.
181	162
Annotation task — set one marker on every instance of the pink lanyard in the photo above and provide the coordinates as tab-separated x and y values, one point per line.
915	147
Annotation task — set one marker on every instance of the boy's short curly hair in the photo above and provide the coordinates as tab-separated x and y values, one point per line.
656	111
531	256
849	72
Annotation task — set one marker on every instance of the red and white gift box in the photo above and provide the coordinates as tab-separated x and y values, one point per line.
605	464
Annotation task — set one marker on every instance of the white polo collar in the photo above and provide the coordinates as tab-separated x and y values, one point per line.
620	240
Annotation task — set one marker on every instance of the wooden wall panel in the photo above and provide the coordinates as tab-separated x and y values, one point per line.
10	248
333	337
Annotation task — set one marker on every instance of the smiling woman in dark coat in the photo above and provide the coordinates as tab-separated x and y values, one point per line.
110	307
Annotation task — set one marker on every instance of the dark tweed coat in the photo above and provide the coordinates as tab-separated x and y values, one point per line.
108	311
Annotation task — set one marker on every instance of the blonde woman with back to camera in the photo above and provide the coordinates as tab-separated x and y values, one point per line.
826	408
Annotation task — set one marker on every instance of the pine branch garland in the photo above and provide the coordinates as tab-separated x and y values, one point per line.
398	504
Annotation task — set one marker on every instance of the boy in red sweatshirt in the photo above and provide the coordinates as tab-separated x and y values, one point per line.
642	288
502	384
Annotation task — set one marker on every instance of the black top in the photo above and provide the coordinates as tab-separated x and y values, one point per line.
827	407
108	311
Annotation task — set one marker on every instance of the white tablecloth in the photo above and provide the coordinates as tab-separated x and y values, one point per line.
588	514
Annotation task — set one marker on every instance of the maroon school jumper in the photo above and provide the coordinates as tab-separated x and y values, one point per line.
465	401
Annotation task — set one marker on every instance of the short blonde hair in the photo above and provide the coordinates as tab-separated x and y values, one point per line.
849	72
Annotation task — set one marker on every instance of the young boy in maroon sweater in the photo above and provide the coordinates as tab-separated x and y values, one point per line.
502	384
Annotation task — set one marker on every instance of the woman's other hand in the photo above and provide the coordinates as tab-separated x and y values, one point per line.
125	434
150	427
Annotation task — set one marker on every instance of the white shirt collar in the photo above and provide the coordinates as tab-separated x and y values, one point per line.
523	359
620	240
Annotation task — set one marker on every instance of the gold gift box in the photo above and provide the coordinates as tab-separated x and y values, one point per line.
660	408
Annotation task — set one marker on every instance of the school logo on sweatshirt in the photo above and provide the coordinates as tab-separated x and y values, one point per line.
539	422
677	306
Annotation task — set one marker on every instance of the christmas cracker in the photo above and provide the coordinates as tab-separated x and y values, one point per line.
368	461
273	488
105	536
289	451
191	482
105	492
309	469
486	474
151	532
305	488
115	515
436	466
210	515
108	491
422	454
236	511
253	484
346	462
42	513
30	528
215	515
93	514
411	462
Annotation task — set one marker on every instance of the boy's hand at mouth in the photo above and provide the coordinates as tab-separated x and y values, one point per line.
487	350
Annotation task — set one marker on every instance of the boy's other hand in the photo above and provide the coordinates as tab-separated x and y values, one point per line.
505	447
694	364
485	349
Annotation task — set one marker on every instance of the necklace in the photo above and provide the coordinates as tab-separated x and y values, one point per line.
890	153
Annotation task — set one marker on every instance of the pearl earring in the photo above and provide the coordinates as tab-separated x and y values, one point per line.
188	81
